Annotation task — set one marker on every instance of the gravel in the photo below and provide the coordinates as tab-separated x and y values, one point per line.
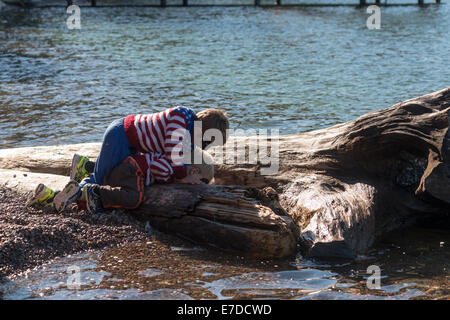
32	236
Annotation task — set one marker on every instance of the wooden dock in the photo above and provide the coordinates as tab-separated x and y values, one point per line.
185	3
275	3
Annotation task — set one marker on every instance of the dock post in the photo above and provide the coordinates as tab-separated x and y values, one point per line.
185	3
93	3
163	3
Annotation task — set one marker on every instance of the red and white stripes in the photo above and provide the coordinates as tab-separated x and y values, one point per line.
155	167
162	133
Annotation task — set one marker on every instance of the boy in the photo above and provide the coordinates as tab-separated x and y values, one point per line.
162	132
123	187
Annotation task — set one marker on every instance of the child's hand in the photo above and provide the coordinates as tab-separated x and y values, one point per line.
192	179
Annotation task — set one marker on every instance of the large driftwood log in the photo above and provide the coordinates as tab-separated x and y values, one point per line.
46	159
347	185
344	186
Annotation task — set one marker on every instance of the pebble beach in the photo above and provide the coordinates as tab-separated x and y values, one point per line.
32	236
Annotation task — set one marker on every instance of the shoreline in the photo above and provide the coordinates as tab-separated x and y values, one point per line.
31	236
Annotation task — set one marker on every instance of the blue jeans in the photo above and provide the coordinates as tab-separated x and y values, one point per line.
115	148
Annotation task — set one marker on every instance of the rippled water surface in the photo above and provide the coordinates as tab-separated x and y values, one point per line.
409	269
294	69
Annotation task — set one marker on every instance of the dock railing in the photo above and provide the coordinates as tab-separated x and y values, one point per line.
185	3
261	3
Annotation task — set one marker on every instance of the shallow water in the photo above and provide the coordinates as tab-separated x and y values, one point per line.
415	269
293	69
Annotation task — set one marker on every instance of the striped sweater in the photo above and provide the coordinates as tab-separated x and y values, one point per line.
162	133
154	166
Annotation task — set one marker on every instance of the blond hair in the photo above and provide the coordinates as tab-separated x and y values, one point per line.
214	119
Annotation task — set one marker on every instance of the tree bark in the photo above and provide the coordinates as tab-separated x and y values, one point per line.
344	186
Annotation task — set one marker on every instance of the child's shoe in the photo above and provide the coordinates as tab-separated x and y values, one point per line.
92	198
81	168
69	194
42	195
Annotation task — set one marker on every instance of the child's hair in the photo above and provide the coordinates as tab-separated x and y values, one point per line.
214	119
205	169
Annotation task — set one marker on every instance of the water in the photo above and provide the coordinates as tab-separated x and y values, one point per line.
408	270
293	69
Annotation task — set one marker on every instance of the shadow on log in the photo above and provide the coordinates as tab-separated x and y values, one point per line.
230	218
344	186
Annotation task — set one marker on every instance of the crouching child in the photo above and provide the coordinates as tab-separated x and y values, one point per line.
123	187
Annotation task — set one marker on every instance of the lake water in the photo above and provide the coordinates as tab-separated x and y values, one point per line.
416	269
293	69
